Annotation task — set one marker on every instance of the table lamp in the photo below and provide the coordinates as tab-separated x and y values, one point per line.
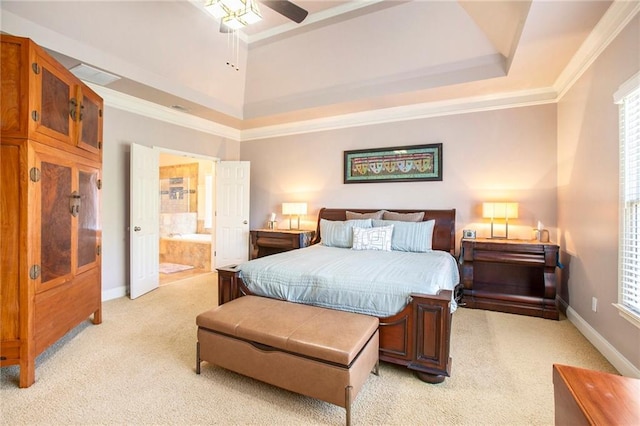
294	209
504	211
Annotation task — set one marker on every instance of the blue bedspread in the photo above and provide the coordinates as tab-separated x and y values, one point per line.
370	282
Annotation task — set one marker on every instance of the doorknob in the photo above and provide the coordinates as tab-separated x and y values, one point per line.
137	228
244	222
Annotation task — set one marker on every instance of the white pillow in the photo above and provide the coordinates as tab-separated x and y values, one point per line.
410	236
372	238
335	233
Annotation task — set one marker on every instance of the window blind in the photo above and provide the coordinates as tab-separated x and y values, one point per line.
629	252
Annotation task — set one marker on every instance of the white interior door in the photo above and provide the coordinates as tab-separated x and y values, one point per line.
232	212
144	222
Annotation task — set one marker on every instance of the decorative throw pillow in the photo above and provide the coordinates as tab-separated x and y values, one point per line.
410	236
335	233
372	238
373	215
404	217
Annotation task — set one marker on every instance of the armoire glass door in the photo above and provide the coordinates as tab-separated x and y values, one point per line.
55	221
88	217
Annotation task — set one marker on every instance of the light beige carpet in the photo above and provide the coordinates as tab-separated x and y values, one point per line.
138	367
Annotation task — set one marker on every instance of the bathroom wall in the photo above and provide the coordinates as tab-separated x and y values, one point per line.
179	188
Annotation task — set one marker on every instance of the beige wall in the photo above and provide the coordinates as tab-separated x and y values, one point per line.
120	130
588	192
504	154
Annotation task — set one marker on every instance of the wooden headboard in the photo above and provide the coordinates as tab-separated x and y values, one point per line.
444	232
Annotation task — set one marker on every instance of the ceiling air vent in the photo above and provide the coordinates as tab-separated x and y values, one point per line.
93	75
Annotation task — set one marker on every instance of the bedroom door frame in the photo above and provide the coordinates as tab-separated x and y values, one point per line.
233	247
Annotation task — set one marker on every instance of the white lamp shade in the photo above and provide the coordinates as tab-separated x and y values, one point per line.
500	210
294	208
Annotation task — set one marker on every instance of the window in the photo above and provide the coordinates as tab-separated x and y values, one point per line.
628	97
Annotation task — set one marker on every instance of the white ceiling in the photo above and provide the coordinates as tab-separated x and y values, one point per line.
347	57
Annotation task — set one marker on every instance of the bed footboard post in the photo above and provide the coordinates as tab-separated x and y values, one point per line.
432	328
228	288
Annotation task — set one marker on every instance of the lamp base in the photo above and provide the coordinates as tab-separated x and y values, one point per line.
499	237
291	228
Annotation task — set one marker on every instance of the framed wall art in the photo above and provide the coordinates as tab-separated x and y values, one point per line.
395	164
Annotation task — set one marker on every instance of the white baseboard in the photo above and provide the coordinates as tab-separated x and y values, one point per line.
616	359
114	293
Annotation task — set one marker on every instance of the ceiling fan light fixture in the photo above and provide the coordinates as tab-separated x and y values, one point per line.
251	12
233	22
217	9
234	5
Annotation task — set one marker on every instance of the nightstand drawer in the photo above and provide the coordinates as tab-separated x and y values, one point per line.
508	257
277	242
265	242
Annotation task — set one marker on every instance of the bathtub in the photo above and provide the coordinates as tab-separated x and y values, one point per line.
187	249
197	238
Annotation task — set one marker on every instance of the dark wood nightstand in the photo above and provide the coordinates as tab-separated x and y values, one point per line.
271	241
515	276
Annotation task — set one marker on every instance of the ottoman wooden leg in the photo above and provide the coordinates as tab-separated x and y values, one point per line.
197	357
347	403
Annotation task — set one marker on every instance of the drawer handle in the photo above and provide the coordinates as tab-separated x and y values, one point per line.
263	347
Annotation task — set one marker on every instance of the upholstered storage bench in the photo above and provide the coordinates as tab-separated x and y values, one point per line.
322	353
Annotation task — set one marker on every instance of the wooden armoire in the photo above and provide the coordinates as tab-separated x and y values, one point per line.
50	234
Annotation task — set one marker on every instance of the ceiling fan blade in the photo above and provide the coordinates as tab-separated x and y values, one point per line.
287	9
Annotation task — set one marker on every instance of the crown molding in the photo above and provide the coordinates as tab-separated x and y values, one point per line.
148	109
311	19
409	112
152	110
615	19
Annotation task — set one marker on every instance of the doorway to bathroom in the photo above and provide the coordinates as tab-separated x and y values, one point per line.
186	203
230	214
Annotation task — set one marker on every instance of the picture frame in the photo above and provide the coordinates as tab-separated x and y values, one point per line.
394	164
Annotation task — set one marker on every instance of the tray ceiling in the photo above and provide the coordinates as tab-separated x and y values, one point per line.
347	57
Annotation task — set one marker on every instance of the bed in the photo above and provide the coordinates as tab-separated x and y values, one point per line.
416	335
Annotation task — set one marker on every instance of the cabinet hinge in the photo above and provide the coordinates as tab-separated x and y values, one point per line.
35	67
34	174
34	272
98	249
100	113
100	145
35	115
99	183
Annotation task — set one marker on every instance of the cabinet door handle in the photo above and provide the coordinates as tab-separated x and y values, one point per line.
137	228
74	203
73	104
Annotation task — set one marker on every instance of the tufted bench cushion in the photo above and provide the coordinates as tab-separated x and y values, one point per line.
318	352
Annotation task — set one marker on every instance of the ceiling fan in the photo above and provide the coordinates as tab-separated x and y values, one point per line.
286	8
